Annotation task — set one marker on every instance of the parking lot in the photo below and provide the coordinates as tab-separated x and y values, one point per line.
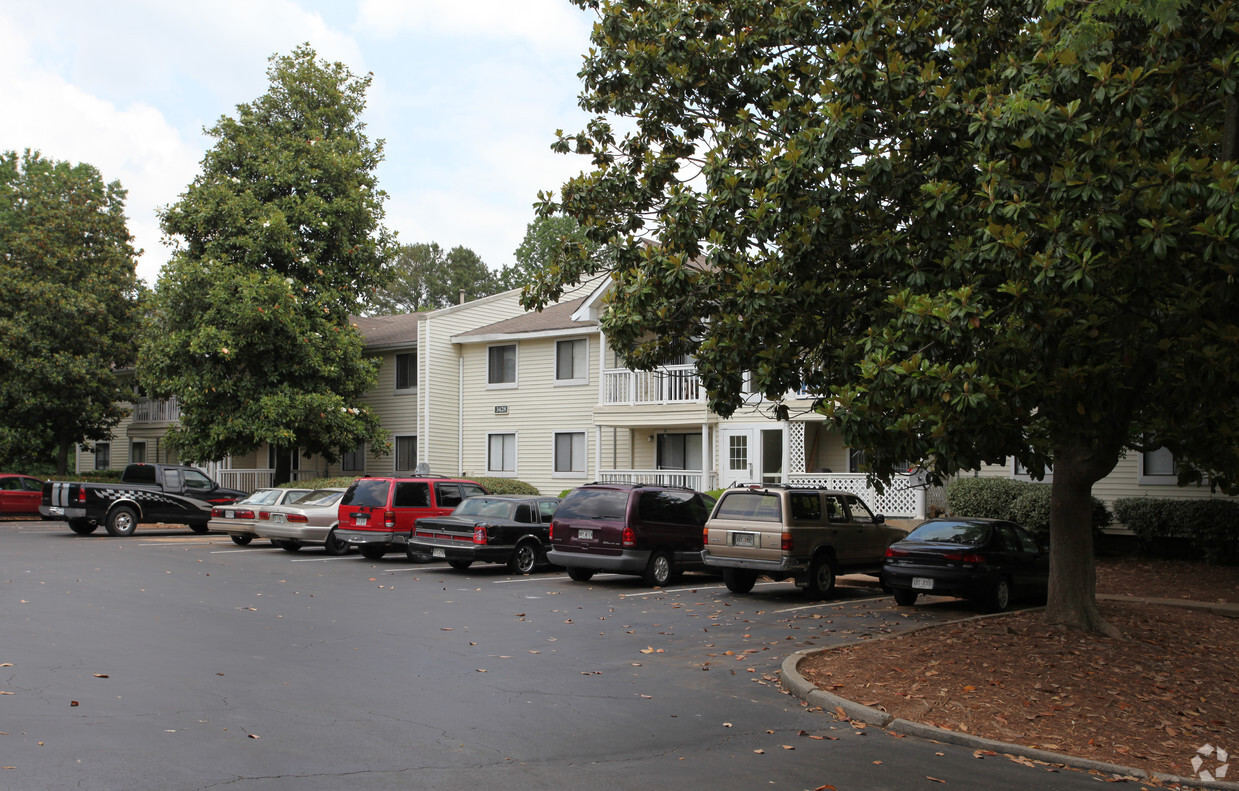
170	660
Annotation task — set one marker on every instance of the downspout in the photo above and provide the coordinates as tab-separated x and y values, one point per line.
423	394
460	410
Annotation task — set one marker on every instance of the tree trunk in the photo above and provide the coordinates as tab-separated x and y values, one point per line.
62	457
1072	598
283	466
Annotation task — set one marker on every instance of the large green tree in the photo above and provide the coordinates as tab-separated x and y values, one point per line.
280	238
68	307
544	243
424	277
975	244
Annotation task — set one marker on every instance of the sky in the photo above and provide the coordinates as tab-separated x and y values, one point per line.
467	96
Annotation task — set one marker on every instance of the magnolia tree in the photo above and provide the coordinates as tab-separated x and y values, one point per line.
68	308
280	239
972	243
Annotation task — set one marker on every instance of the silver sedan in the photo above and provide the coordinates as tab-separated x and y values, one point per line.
312	520
238	519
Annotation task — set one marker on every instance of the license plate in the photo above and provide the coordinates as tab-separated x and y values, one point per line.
922	583
361	519
230	514
55	510
277	517
744	539
585	535
438	552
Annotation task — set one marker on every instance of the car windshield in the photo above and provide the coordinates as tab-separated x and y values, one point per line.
484	506
965	533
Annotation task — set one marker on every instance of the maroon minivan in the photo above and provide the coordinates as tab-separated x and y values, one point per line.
378	514
651	531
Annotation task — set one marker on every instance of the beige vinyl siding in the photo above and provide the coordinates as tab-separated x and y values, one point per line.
535	410
438	430
397	411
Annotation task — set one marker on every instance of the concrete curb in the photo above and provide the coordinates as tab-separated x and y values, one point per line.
799	686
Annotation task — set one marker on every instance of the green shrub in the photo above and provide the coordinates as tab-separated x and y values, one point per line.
1207	529
341	482
506	486
1023	502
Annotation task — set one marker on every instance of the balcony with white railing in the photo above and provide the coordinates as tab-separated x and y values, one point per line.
156	410
249	480
671	384
691	479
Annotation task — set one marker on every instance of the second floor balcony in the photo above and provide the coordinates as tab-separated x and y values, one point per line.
156	410
671	384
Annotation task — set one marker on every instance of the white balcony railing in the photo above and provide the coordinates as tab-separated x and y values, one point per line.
149	410
249	480
671	384
691	479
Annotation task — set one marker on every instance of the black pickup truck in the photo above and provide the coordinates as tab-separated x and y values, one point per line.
147	493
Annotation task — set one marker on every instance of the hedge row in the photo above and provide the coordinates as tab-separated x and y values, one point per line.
1206	529
1023	502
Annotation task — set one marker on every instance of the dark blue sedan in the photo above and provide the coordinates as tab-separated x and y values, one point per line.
988	560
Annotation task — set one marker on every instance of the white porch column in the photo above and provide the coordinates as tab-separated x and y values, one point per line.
597	453
707	458
785	464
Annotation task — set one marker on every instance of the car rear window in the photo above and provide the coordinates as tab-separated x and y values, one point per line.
676	508
965	533
372	494
755	506
593	504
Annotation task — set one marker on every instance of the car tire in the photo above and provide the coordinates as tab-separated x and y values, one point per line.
524	559
821	577
739	580
999	597
372	551
241	540
578	574
122	521
417	555
660	570
905	597
460	565
83	527
333	545
287	544
200	528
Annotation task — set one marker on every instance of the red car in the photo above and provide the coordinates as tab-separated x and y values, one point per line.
20	494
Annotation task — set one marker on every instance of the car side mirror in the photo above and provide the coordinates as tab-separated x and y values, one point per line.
879	519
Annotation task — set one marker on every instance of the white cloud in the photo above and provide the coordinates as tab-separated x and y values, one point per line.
546	23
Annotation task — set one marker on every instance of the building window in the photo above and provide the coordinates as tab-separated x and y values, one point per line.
406	453
681	451
1020	472
406	371
569	454
501	365
137	453
353	460
1159	468
103	455
572	362
501	454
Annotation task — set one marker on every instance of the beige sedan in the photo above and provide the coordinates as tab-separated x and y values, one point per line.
312	520
238	519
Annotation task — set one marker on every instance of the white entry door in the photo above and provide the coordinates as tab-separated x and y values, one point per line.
750	454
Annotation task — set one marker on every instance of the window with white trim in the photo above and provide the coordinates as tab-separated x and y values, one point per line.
137	452
501	454
103	455
406	452
1158	468
569	454
572	362
501	365
353	460
406	371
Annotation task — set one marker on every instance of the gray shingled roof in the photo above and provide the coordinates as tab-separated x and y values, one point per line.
394	330
555	317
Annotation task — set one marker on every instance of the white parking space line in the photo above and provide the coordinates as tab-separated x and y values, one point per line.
832	603
321	560
690	588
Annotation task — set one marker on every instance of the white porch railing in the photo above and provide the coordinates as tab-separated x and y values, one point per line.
249	480
671	384
901	499
692	479
148	410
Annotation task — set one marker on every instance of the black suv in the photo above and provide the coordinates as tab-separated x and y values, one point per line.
650	531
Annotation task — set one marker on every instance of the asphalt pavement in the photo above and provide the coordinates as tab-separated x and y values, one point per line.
169	660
